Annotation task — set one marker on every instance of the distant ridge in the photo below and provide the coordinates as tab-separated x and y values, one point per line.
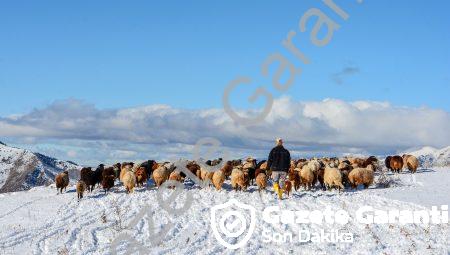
432	157
22	169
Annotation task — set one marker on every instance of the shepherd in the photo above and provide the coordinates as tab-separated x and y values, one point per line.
279	162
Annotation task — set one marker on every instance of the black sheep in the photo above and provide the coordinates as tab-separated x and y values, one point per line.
98	174
88	176
117	167
108	177
149	166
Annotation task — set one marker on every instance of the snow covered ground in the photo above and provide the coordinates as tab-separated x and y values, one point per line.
40	222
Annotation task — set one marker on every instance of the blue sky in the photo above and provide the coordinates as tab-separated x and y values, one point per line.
116	54
76	74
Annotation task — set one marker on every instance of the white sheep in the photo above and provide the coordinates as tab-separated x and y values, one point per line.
306	177
333	178
129	181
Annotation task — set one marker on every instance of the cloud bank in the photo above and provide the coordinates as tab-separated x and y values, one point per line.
76	130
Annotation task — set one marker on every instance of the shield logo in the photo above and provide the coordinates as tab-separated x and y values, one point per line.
219	229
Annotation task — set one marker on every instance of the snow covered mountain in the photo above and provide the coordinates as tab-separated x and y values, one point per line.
432	157
38	221
22	169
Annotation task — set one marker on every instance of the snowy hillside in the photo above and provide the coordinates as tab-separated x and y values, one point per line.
40	222
22	169
432	157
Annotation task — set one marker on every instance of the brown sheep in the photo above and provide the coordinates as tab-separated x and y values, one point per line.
264	167
261	168
249	163
258	171
345	168
88	177
81	188
294	177
209	177
411	162
363	176
203	174
98	174
206	176
301	163
193	168
141	176
293	164
160	175
149	166
62	181
227	169
387	162
176	176
238	179
287	187
261	181
319	176
372	160
396	163
218	179
236	162
356	162
344	165
108	177
306	177
249	167
198	173
345	174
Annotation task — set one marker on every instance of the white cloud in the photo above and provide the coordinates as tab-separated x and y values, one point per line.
330	126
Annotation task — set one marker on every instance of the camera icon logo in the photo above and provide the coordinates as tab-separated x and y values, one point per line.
233	224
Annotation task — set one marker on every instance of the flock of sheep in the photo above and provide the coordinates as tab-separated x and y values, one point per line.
329	172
